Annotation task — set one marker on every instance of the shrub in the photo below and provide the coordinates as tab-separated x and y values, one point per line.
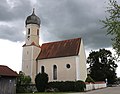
23	83
80	86
67	86
41	81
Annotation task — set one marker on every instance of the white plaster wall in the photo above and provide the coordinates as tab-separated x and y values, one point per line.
92	86
33	34
26	60
29	56
81	69
63	73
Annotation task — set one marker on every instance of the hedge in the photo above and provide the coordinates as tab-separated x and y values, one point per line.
68	86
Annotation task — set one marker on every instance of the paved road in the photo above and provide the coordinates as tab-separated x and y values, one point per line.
109	90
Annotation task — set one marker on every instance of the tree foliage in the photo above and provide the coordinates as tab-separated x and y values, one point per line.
112	23
102	65
23	82
41	81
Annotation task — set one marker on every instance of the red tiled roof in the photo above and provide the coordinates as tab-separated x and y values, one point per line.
6	71
60	49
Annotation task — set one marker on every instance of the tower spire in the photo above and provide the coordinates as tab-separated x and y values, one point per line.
33	11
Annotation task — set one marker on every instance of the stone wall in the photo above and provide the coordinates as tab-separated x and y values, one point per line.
96	85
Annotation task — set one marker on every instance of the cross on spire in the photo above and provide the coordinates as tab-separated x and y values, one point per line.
33	11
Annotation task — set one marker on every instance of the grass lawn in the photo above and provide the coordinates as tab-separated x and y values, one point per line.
44	93
38	93
55	93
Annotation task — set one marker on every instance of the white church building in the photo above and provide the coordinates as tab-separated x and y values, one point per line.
61	60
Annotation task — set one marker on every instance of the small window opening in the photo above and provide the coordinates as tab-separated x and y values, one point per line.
68	66
54	72
37	31
42	69
28	31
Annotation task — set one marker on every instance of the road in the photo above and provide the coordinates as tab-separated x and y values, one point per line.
108	90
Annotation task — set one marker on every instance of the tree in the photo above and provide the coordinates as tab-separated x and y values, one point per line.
112	23
23	82
41	81
102	65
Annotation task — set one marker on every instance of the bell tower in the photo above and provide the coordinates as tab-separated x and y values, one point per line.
31	48
32	29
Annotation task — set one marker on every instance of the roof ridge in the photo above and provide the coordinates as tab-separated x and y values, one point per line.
3	66
60	41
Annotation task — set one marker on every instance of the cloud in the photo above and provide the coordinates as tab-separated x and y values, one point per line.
74	18
63	19
10	33
12	17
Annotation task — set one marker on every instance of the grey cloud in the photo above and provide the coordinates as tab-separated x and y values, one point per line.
61	19
4	10
11	33
19	11
13	16
74	18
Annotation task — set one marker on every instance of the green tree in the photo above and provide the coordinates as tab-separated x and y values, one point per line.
112	24
23	82
23	79
102	65
41	81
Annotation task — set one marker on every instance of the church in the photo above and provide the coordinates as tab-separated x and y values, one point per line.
61	60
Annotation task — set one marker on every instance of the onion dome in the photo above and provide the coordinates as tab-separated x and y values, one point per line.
33	19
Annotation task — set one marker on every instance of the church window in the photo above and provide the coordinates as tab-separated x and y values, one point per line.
37	31
54	72
42	69
28	31
68	66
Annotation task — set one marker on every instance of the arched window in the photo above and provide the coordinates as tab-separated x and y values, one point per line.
42	69
28	31
54	72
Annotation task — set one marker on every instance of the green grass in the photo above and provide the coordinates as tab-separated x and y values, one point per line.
39	93
43	93
53	93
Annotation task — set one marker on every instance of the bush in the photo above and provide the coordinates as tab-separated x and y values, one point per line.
41	81
67	86
80	86
23	83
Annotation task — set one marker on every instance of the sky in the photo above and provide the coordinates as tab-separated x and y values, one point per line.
60	20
